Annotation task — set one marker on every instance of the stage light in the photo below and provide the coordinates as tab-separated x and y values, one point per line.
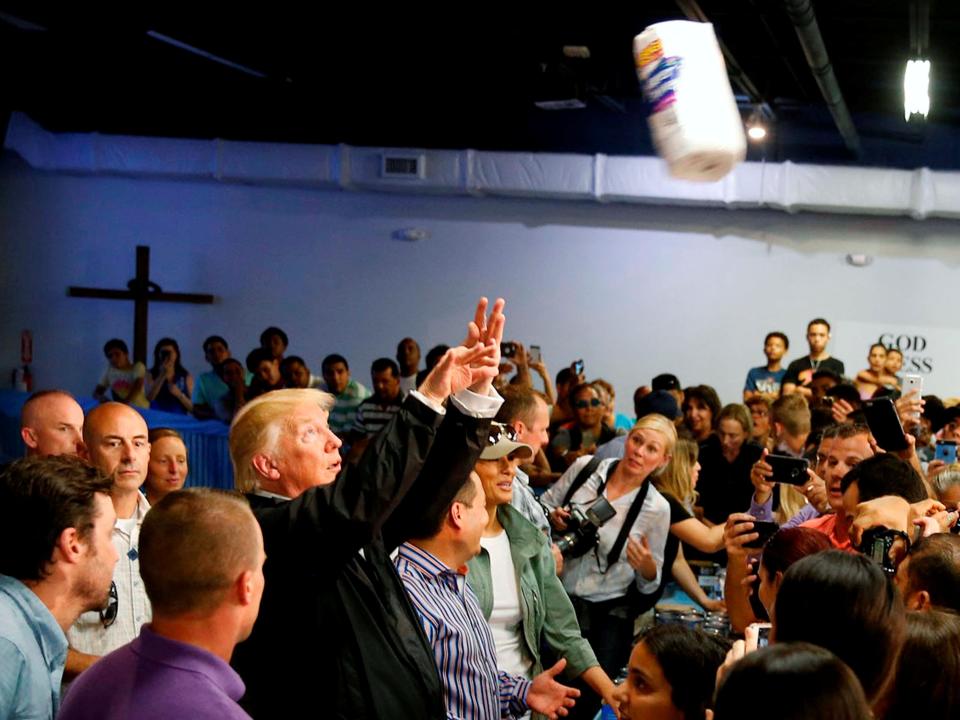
916	87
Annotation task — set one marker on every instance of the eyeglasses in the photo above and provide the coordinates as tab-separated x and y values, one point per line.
108	615
499	431
583	404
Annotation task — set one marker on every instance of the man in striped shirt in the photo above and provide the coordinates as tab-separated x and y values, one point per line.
433	571
347	393
377	410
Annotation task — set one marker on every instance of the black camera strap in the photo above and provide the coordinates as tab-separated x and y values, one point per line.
632	513
631	518
584	475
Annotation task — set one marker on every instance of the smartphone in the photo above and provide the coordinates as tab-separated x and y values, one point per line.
788	470
766	529
946	450
578	368
534	354
508	349
885	424
763	634
911	383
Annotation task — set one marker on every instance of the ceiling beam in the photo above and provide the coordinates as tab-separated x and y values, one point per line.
808	31
738	77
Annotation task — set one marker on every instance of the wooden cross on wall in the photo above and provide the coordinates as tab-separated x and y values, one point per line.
142	291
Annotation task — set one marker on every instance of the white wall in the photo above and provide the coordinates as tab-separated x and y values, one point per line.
633	290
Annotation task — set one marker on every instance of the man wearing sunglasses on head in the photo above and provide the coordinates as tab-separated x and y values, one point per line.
56	562
336	635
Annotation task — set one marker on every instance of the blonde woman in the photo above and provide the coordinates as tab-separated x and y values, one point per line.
607	573
677	483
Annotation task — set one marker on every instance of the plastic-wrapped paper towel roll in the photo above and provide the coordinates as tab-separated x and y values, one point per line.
693	115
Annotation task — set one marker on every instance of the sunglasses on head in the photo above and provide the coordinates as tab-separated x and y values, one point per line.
592	402
499	431
108	615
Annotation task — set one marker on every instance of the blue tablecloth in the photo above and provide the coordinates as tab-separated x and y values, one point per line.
206	440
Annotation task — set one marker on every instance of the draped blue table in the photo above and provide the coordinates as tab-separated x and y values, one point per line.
206	440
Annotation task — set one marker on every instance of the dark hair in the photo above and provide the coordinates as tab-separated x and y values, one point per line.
845	431
894	348
332	359
689	660
935	567
401	343
179	370
861	619
430	522
828	374
927	682
878	345
705	394
791	681
257	356
885	474
580	387
778	334
271	331
933	409
665	381
40	497
789	545
381	364
846	391
434	355
565	375
219	369
115	344
290	360
818	321
213	339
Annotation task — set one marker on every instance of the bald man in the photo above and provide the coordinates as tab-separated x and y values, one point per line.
115	440
51	423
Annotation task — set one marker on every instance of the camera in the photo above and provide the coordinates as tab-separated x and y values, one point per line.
508	349
885	546
582	527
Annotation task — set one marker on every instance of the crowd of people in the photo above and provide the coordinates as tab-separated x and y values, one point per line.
461	544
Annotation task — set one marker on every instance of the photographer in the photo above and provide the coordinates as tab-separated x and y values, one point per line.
607	568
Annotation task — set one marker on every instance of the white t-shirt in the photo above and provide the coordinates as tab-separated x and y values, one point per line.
506	618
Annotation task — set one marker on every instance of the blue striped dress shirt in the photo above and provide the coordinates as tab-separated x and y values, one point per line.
473	687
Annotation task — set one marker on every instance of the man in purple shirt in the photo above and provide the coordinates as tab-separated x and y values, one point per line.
201	558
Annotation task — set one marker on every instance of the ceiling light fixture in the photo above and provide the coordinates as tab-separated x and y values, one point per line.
916	89
756	125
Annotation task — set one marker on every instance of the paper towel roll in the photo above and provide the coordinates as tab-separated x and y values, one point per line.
692	114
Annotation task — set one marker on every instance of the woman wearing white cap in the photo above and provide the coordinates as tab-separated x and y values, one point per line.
514	578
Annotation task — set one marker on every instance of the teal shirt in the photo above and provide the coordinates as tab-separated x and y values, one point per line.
544	605
33	650
208	388
343	414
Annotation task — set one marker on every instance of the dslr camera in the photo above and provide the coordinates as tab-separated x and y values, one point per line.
583	526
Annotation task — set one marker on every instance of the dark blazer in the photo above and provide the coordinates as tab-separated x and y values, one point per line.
336	636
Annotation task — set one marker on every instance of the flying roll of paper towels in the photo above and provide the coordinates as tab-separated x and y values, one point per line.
692	113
